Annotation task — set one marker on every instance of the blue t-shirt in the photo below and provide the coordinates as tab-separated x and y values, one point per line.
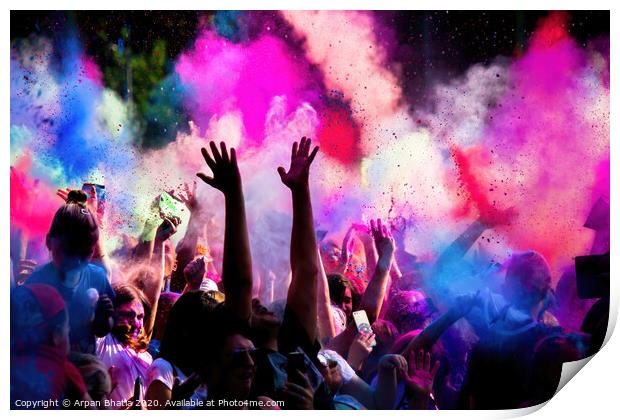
79	302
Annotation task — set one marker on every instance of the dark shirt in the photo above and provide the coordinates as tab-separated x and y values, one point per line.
271	373
44	375
293	334
500	369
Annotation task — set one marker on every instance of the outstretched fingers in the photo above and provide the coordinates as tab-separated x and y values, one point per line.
420	360
205	178
216	153
294	149
224	152
378	229
210	162
435	369
233	156
313	154
427	362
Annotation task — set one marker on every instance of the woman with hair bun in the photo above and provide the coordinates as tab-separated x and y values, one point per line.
83	286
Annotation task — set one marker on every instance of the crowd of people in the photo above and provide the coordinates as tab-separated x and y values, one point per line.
153	326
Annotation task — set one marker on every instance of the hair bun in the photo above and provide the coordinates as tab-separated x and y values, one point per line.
77	196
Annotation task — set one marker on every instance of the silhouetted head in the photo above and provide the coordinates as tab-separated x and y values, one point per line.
228	365
186	329
528	280
164	306
73	232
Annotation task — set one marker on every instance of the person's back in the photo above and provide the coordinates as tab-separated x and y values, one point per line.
509	326
40	370
500	367
81	295
71	241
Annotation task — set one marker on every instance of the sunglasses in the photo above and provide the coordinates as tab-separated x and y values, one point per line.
239	356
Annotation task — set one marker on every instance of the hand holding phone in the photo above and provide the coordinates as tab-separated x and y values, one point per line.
168	206
295	364
363	324
96	197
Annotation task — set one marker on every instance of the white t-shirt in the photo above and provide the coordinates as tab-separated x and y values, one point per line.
163	371
127	366
348	373
340	319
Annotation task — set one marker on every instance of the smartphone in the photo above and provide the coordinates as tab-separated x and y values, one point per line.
362	324
168	206
592	276
295	361
99	191
137	388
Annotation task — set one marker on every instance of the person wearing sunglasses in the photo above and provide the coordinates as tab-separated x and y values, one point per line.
229	366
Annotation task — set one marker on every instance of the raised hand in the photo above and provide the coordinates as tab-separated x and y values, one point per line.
63	193
421	375
194	272
384	242
360	349
394	361
102	323
226	177
188	197
363	232
347	247
463	304
92	202
182	391
301	159
167	228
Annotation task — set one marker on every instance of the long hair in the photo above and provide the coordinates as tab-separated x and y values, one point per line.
127	293
337	285
75	226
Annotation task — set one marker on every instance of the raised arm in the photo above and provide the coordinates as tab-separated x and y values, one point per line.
345	250
419	380
457	249
302	293
429	336
373	296
461	245
237	265
392	368
186	248
365	236
327	330
152	289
